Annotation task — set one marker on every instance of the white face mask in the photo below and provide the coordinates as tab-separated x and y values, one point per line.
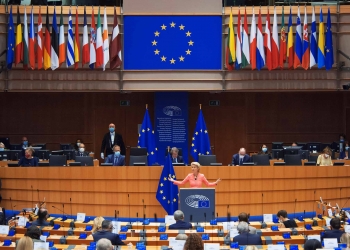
326	155
78	144
81	150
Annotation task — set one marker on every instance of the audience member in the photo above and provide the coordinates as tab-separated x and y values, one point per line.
175	157
240	158
75	146
106	232
194	242
345	238
312	244
181	237
342	139
2	146
345	154
28	160
42	217
34	233
245	218
264	151
97	224
244	237
25	144
116	158
109	140
25	243
81	151
294	144
251	248
180	223
325	158
284	221
104	244
335	231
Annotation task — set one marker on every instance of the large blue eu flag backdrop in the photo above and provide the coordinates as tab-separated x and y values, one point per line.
172	42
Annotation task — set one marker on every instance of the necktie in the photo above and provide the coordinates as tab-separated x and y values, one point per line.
175	160
115	161
241	161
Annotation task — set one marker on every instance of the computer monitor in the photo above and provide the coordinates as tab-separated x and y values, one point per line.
292	150
339	163
16	147
178	164
5	155
6	142
326	144
16	155
310	163
139	164
12	165
42	145
106	164
304	154
75	164
57	152
277	145
85	160
65	146
248	164
314	146
335	146
42	154
277	153
302	144
70	154
279	163
138	151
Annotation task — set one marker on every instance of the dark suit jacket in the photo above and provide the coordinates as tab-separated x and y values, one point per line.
40	223
180	224
114	238
179	159
335	233
248	239
85	153
235	159
108	145
110	159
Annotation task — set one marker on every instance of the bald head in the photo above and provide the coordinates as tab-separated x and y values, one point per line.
112	125
242	151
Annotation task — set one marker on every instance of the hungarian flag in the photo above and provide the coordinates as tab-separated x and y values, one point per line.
298	55
99	43
105	41
245	42
47	44
313	40
25	41
260	54
290	44
274	42
115	52
19	40
283	44
31	41
253	42
76	41
267	42
92	41
86	55
306	49
238	42
62	47
230	49
54	43
39	48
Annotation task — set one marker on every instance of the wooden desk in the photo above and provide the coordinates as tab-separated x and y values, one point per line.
5	163
294	239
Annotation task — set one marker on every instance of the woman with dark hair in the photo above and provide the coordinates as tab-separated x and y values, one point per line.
34	233
312	244
264	151
194	242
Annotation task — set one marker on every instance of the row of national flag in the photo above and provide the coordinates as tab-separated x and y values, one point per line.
45	49
273	50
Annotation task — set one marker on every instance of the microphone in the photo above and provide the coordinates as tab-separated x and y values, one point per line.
129	225
340	195
59	210
191	218
155	217
205	219
304	222
13	212
263	224
38	197
295	205
228	213
144	219
314	221
340	209
115	215
62	241
31	186
72	225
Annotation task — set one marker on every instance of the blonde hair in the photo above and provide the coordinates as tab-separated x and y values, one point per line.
25	243
251	248
97	224
345	238
181	237
2	144
194	163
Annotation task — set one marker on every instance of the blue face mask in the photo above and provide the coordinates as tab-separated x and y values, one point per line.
25	142
2	149
111	130
341	140
264	149
117	153
346	148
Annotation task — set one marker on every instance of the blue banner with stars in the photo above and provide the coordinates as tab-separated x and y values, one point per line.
168	193
172	42
200	140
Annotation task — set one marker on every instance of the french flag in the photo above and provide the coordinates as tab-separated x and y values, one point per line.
260	55
298	49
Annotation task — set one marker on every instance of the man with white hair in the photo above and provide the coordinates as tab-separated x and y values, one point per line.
240	158
180	223
244	237
104	244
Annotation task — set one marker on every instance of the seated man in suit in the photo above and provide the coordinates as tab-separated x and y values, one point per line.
240	158
244	237
104	244
42	217
335	231
175	157
106	232
180	223
81	151
284	221
116	158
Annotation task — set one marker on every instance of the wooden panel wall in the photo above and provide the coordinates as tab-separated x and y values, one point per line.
101	190
242	119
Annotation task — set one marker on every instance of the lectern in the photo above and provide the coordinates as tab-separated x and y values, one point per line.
197	204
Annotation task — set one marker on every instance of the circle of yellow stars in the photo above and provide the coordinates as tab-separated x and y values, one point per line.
162	191
187	52
194	139
148	130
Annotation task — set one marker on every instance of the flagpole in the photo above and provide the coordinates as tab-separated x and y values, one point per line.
200	106
146	106
168	149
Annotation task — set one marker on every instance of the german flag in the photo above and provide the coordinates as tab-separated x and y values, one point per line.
47	44
19	40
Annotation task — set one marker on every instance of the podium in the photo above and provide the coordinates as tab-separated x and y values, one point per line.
198	204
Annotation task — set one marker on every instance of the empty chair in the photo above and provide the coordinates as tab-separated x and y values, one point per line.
313	157
292	160
58	160
135	151
261	160
138	159
206	160
304	154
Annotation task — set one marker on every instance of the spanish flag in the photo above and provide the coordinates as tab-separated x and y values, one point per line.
47	44
19	40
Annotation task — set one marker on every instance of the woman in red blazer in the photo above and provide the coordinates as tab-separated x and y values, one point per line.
195	178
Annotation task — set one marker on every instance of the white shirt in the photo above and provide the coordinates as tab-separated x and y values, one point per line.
112	137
